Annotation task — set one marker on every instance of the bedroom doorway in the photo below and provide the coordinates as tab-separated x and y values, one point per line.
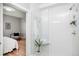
14	30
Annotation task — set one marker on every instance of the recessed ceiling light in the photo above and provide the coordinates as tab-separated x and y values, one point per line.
7	8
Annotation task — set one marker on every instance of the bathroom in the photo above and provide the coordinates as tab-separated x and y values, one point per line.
52	29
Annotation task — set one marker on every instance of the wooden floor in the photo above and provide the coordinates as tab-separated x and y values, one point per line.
21	51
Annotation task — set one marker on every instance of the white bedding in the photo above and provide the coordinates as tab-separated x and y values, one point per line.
9	44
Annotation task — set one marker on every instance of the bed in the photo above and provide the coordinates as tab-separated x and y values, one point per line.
9	44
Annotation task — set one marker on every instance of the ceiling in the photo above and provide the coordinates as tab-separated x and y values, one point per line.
11	10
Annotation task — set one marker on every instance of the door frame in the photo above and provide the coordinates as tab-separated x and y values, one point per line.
1	30
27	18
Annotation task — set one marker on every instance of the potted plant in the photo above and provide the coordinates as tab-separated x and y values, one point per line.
40	43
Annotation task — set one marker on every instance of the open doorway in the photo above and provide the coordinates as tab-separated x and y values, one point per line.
14	31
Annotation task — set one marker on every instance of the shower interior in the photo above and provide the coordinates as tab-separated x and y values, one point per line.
57	25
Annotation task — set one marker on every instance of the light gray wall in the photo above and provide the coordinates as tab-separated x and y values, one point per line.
15	25
23	26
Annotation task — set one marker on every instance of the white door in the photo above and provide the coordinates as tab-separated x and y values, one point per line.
55	27
1	29
59	30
